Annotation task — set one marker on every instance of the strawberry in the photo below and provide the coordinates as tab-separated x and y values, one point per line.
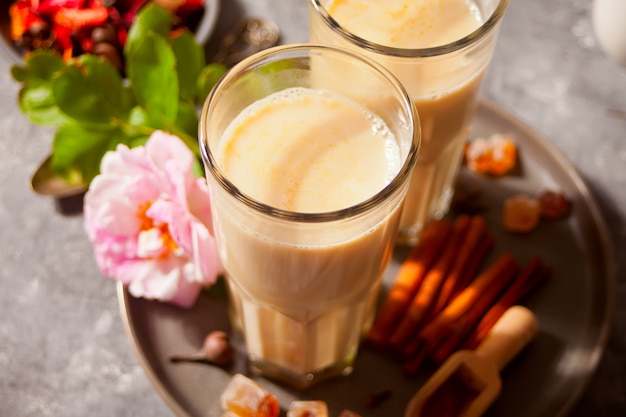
22	18
80	18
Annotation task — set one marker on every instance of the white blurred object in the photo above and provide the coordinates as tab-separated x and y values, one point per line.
609	25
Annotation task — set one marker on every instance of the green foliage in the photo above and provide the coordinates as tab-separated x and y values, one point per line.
190	60
95	109
91	91
36	98
78	150
187	118
209	75
151	68
151	19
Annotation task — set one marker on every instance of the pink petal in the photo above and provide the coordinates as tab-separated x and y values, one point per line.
163	149
158	177
150	244
106	207
125	161
205	256
177	220
199	203
165	281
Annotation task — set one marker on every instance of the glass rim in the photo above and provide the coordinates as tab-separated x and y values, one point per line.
313	217
465	41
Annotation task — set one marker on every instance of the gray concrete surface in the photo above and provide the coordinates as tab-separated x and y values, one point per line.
63	350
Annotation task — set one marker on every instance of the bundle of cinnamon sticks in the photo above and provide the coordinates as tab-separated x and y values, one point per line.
440	303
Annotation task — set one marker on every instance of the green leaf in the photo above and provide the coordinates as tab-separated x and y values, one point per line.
151	69
36	100
277	66
187	118
20	74
151	18
92	91
138	117
189	62
78	151
198	167
43	64
209	76
138	141
138	125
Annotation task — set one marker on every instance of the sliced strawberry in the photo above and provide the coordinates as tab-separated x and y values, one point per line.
67	53
86	44
80	18
190	6
129	10
122	34
62	36
34	4
49	7
22	18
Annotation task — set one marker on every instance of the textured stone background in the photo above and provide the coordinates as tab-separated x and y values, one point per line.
63	351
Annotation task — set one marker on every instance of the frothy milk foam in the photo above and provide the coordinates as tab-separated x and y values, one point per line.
444	92
308	151
311	151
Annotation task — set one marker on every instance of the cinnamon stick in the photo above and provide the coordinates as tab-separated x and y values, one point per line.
534	274
503	267
408	280
470	252
485	246
468	322
428	292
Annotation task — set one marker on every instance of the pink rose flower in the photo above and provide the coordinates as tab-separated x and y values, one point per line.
149	219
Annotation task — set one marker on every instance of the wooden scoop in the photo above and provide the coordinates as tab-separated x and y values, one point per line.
468	382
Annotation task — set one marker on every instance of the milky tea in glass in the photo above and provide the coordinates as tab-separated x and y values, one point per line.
439	49
307	184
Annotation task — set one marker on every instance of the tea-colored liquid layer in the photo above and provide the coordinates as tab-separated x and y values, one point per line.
301	305
309	151
444	89
407	24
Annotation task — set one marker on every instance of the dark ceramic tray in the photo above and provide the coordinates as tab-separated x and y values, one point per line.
545	380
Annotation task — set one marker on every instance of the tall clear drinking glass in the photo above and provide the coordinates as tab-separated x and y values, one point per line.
307	184
440	50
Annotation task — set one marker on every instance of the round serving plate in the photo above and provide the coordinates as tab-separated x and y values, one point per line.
545	380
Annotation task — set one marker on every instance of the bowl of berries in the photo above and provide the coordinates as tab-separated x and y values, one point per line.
98	27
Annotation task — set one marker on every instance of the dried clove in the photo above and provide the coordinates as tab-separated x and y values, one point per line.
216	350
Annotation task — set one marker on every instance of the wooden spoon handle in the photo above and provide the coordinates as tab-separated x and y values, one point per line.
517	326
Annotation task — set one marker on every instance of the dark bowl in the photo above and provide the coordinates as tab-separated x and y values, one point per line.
6	44
201	23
